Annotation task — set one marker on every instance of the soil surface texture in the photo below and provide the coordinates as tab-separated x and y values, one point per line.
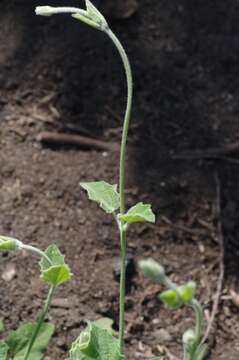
59	76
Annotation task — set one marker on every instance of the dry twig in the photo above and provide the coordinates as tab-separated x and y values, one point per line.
53	138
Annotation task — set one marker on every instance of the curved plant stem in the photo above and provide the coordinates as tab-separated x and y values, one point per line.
35	250
40	322
129	78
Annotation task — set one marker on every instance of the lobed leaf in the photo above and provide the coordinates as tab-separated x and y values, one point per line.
95	343
138	213
18	341
57	272
104	194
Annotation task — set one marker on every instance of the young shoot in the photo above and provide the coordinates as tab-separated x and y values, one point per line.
175	297
107	195
54	272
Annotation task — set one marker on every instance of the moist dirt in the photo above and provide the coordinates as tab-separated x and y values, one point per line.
57	75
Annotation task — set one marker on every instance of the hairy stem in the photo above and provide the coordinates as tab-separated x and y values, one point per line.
129	78
199	320
40	322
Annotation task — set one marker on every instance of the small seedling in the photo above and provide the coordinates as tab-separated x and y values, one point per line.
107	195
30	341
175	297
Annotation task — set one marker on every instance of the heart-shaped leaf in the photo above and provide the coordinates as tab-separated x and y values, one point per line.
57	275
57	272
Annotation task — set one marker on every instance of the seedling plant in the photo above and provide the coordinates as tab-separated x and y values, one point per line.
30	341
98	340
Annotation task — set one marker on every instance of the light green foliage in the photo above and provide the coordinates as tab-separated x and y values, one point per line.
152	269
57	272
171	299
95	343
138	213
187	292
18	341
8	244
3	350
182	295
104	194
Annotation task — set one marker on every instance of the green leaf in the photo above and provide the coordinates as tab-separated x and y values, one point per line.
138	213
182	295
57	275
95	343
56	272
3	350
104	194
54	254
187	292
8	244
171	299
18	341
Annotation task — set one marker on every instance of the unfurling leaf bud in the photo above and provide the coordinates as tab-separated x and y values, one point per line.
44	10
189	337
171	298
9	244
152	269
184	294
187	292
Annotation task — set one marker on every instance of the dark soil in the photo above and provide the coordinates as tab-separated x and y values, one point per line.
58	75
